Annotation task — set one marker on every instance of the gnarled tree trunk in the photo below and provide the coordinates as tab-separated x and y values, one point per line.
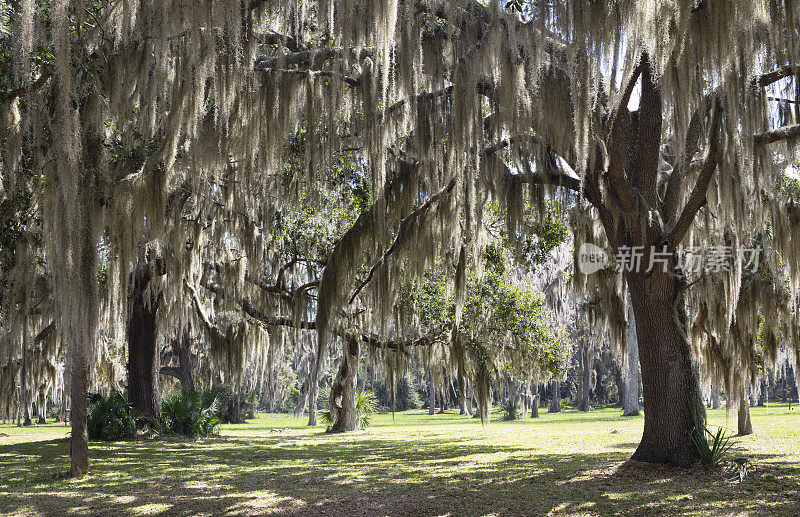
343	391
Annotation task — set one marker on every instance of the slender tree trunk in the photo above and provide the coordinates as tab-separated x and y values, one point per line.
714	398
785	383
25	419
144	358
302	399
630	406
41	406
468	397
743	421
585	380
462	401
555	401
79	439
762	397
671	390
343	391
431	393
312	404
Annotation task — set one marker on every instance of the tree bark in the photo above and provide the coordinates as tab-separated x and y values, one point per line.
535	404
714	398
671	390
79	438
182	348
555	401
431	393
764	394
343	391
468	400
41	406
144	358
312	403
25	418
630	406
585	379
743	421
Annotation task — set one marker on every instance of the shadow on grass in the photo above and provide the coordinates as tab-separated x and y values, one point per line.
362	474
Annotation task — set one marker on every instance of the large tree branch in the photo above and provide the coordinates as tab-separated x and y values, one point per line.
775	75
649	151
777	135
616	167
268	319
697	197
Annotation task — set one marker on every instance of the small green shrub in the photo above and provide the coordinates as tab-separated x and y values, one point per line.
511	412
740	467
111	418
189	413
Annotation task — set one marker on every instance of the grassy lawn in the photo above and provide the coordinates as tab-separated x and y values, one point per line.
566	463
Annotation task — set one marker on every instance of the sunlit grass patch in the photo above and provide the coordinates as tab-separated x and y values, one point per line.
407	464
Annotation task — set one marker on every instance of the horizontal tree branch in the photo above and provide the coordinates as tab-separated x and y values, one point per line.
777	135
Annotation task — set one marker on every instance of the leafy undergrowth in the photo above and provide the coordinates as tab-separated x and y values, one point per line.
561	464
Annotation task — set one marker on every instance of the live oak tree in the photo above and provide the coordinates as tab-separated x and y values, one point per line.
448	105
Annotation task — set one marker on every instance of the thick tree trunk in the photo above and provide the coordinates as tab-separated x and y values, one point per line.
535	404
555	401
743	421
343	391
671	390
630	405
431	393
144	358
41	406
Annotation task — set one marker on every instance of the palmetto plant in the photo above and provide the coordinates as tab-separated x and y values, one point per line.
111	418
365	408
185	414
710	447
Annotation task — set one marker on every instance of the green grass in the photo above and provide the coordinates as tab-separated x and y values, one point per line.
416	464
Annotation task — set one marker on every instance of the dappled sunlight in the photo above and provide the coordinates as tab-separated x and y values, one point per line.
566	463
